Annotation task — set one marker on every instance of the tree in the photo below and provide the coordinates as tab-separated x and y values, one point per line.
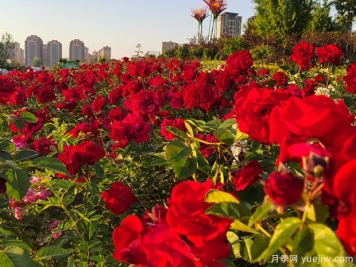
7	46
280	18
37	62
346	13
321	21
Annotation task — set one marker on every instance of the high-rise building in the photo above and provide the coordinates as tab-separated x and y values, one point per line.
76	50
86	54
168	46
18	54
229	25
93	57
33	49
44	61
54	52
105	52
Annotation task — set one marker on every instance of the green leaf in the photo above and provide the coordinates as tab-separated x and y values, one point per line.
284	230
13	256
240	226
261	213
52	252
189	128
225	136
318	213
184	167
18	183
259	245
241	248
218	196
177	132
25	154
28	117
304	247
92	227
99	171
19	123
227	123
51	164
203	163
328	246
177	150
229	210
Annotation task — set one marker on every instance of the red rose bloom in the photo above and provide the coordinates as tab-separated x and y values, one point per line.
98	104
283	188
7	87
238	63
118	198
177	123
316	116
132	127
127	241
346	231
280	78
89	152
71	160
43	146
198	95
350	78
253	108
44	94
206	232
144	102
302	54
247	176
329	54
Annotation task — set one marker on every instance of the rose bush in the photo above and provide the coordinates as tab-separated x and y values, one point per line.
156	162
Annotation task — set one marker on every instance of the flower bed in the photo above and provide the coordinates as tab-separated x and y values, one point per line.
156	162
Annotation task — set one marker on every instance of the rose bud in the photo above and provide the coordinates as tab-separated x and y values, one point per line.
284	188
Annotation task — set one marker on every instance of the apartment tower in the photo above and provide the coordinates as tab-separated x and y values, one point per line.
76	50
18	54
105	52
229	25
33	49
54	52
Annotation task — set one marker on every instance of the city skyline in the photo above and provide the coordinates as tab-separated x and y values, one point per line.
119	25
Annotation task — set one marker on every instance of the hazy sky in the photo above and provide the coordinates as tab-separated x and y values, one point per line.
117	23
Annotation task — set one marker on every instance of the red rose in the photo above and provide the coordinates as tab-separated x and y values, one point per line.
44	94
71	160
280	78
127	241
350	78
98	104
238	63
118	198
132	127
186	215
329	54
302	54
18	97
253	108
7	87
144	102
89	152
344	184
43	146
312	117
177	123
198	95
346	231
247	176
283	188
